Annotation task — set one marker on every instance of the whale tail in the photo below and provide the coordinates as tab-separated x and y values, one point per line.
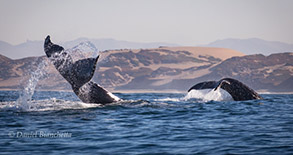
76	73
235	88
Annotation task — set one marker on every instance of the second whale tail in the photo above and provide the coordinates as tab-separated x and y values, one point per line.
235	88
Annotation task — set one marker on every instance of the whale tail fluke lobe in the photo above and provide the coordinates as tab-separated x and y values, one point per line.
83	70
51	48
204	85
238	90
235	88
219	84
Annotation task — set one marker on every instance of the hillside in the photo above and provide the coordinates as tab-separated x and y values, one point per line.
121	68
273	73
161	69
259	71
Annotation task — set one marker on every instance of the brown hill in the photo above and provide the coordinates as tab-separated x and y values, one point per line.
120	67
272	73
259	71
14	71
165	68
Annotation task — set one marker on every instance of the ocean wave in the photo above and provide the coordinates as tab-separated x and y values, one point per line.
45	105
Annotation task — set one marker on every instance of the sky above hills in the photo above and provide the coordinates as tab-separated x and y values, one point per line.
184	22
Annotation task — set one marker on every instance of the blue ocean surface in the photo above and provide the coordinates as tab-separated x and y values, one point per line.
145	123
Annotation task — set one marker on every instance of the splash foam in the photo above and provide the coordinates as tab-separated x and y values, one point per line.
209	95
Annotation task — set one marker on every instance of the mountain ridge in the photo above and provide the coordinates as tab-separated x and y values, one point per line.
35	48
253	46
247	46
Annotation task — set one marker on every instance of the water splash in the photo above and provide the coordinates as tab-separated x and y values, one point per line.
169	99
83	50
203	95
95	54
209	95
25	98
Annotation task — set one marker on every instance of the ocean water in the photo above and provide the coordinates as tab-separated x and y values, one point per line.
145	123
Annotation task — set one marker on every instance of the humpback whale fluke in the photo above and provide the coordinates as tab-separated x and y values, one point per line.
78	74
235	88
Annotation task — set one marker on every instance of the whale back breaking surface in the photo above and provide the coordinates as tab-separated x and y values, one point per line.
78	74
238	90
91	92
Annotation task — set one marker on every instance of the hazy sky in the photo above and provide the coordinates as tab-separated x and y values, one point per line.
185	22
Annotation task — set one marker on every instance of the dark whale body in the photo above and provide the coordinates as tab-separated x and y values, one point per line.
78	74
238	90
